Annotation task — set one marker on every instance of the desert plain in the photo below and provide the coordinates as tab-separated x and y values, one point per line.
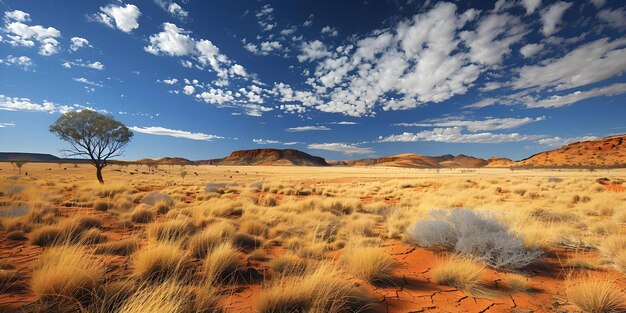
311	239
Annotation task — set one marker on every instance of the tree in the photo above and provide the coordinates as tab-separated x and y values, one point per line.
94	135
19	164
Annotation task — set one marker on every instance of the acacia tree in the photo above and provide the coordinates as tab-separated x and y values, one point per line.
93	135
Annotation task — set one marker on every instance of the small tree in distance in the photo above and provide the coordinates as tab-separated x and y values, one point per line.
94	135
19	164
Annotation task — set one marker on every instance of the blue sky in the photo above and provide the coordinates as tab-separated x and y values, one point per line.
339	79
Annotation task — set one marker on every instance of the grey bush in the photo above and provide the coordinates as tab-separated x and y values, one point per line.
467	232
154	197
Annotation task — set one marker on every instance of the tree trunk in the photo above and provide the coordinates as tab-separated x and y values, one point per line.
99	174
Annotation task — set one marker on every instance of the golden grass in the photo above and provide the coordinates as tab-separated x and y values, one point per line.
142	214
119	247
221	263
460	273
595	295
160	262
65	271
370	263
173	230
167	297
321	290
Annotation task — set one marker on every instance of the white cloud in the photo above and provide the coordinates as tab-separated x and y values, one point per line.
25	104
587	64
23	62
274	142
239	70
530	49
125	17
4	125
17	15
20	34
551	17
78	42
189	90
331	31
170	81
560	101
313	50
348	149
343	123
306	128
176	10
598	3
455	135
531	5
493	37
616	18
175	41
96	65
87	81
162	131
172	41
558	141
483	125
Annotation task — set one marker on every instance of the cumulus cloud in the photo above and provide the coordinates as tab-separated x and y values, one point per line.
78	42
493	37
175	41
189	90
331	31
170	81
313	50
476	126
530	49
21	34
96	65
551	17
122	17
456	135
306	128
22	62
162	131
348	149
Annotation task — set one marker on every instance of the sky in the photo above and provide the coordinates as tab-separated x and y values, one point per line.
337	79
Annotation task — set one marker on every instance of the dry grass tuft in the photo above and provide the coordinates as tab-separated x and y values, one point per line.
160	262
321	290
168	297
221	263
247	242
460	273
142	215
119	247
370	263
594	295
174	230
65	271
102	206
288	265
204	242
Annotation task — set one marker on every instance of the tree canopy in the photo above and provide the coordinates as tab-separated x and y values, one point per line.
91	134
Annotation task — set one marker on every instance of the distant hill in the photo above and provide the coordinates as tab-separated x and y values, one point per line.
500	162
283	157
609	151
166	161
414	160
37	157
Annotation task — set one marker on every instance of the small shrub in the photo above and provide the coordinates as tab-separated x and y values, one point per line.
154	197
474	234
288	265
595	295
254	228
47	236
